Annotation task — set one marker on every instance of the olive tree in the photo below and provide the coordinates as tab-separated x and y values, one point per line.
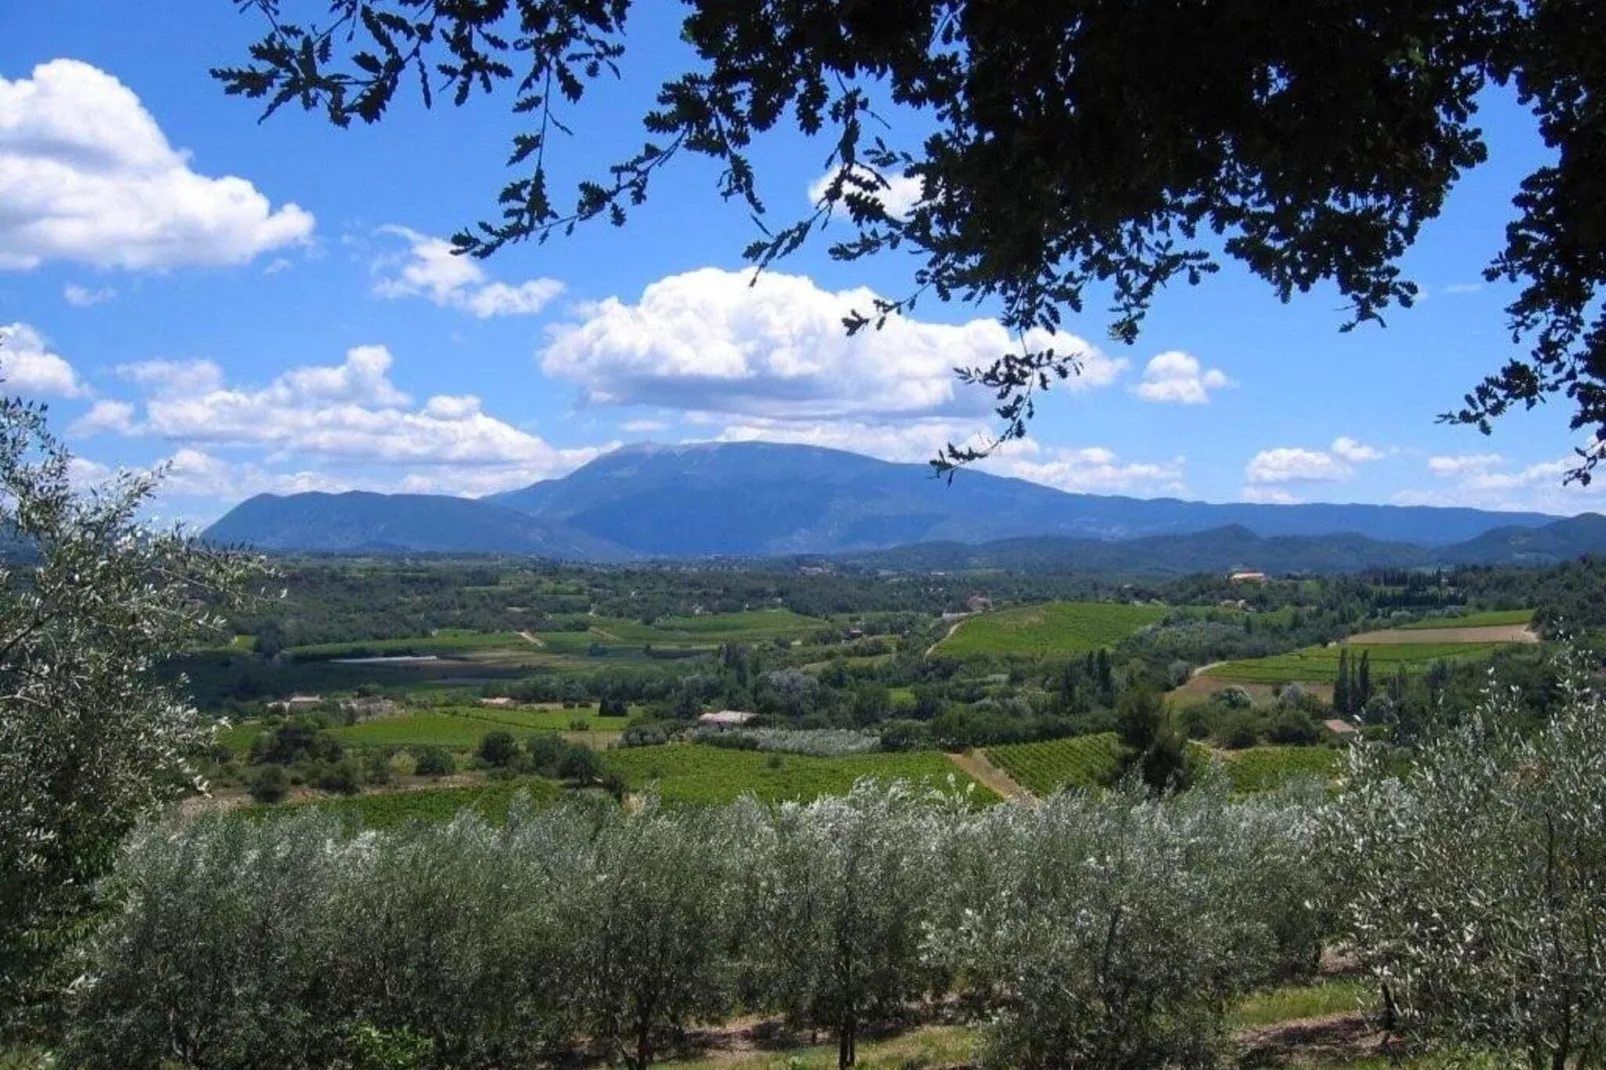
1477	878
841	896
1108	932
645	916
92	602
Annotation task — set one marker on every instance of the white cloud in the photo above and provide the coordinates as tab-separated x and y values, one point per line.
430	269
1092	469
86	175
1267	495
345	414
643	427
83	297
716	341
906	441
104	416
1177	377
27	366
1288	464
898	194
1271	470
1464	464
278	264
1355	452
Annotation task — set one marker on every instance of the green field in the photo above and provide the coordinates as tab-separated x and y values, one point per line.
1492	618
1044	768
443	644
1054	628
691	773
382	810
463	729
1263	768
1319	664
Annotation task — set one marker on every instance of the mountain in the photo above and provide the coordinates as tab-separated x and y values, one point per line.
757	499
360	522
763	499
1216	550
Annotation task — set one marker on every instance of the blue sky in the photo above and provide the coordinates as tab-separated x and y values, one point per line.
269	307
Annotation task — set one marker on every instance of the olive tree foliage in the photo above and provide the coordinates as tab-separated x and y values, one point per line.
1094	932
1064	152
1110	932
1477	880
91	603
840	897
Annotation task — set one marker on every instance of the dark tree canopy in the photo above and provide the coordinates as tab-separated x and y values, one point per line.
1076	144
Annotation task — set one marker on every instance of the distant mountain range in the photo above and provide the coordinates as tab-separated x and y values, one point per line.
770	500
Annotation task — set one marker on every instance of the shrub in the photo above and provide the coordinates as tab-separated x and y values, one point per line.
1293	727
340	778
1240	730
269	784
435	761
498	749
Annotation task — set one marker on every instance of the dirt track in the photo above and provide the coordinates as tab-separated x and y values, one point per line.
1498	633
983	772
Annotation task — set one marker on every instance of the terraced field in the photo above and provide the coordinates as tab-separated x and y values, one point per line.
1492	618
692	773
1054	628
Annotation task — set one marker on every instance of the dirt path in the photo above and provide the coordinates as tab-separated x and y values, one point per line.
1329	1040
1201	670
979	769
952	628
532	638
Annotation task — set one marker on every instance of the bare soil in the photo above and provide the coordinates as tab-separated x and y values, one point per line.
1330	1039
979	769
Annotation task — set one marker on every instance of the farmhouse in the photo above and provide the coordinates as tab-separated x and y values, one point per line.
297	703
1341	728
500	702
1247	576
368	706
977	603
726	718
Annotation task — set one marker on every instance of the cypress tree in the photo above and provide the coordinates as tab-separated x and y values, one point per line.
1341	685
1363	681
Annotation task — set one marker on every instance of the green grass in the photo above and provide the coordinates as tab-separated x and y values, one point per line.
383	810
1319	664
1492	618
1264	768
1336	996
944	1045
444	643
692	773
1044	768
1054	628
464	728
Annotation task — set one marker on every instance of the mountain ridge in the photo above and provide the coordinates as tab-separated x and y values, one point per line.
757	500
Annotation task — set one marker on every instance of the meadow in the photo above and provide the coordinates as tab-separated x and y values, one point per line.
693	773
1319	664
1054	628
462	729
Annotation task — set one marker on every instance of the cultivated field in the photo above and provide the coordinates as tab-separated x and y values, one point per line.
1055	628
1044	768
1319	664
1488	633
1487	619
694	773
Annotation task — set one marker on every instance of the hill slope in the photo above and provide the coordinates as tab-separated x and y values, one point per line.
761	499
358	521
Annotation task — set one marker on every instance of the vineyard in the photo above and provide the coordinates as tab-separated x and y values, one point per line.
387	809
1319	664
1264	768
1489	619
691	773
1044	768
1055	628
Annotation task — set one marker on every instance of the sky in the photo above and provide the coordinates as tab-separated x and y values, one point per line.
273	307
